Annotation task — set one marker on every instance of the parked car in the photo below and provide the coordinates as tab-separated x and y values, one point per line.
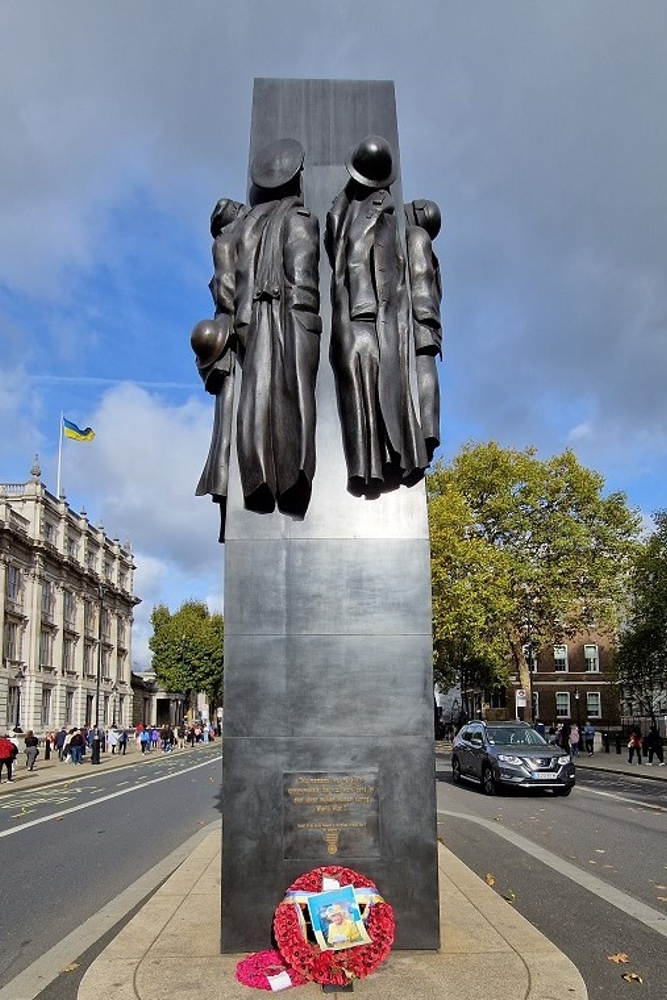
510	754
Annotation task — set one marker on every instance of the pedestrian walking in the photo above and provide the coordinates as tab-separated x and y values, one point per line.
113	739
31	750
589	737
122	742
76	745
8	754
145	740
60	743
653	746
635	745
574	740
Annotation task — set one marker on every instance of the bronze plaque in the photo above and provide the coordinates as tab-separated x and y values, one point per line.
337	812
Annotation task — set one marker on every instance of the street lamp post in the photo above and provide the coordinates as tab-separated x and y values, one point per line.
19	678
95	754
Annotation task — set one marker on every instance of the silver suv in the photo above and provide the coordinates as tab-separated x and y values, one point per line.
510	754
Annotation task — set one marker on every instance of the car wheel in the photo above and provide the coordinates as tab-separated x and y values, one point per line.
456	771
562	791
488	781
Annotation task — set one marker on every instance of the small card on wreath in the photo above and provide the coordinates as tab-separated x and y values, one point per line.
336	920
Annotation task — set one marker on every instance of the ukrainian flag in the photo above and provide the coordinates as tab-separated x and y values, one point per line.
71	430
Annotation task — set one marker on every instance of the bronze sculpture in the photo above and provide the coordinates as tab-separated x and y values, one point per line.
370	329
422	225
266	294
214	344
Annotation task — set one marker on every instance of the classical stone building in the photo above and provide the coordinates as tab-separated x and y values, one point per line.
66	612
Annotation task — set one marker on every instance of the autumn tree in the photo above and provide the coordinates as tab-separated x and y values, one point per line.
525	553
641	659
187	649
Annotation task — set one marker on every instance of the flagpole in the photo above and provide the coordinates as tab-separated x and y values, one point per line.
60	456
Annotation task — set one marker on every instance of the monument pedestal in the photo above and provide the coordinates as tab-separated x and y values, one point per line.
328	696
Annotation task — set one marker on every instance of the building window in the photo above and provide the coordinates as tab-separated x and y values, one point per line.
91	558
69	607
12	643
68	655
13	589
593	705
69	708
49	530
592	658
105	664
88	616
108	570
45	648
105	711
122	580
72	547
47	597
562	704
89	710
560	659
106	622
536	705
88	665
121	634
47	694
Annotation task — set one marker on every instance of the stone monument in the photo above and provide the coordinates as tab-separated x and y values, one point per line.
322	364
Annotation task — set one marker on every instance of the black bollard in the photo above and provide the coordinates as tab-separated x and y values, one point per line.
605	742
618	743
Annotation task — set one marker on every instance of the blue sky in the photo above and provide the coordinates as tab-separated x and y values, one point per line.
537	126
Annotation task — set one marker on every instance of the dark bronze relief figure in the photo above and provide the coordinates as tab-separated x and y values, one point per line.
214	344
422	225
266	280
372	329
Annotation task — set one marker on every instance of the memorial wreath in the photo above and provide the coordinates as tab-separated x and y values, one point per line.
331	967
262	967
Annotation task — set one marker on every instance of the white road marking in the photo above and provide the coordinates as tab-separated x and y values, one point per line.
631	907
30	983
104	798
621	798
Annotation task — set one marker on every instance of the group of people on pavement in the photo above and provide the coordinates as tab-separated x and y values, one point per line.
651	745
72	744
568	735
168	737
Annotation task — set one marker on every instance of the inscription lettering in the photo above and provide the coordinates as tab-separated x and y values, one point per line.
336	813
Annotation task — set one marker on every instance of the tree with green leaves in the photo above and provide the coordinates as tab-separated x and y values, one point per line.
641	658
187	649
525	553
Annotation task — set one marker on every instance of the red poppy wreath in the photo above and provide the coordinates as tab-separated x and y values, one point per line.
260	968
333	967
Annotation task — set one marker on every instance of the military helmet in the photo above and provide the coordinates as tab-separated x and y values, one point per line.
371	163
275	165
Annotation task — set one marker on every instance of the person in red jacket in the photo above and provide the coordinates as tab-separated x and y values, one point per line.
8	753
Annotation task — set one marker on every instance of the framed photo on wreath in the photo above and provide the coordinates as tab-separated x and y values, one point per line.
336	919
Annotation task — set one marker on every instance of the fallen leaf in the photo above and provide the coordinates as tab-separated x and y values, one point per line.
620	956
201	823
489	879
660	886
663	899
631	977
598	850
71	967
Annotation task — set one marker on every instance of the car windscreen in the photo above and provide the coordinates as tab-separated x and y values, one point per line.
507	736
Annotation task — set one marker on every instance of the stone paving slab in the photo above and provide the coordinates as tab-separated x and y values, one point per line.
171	948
